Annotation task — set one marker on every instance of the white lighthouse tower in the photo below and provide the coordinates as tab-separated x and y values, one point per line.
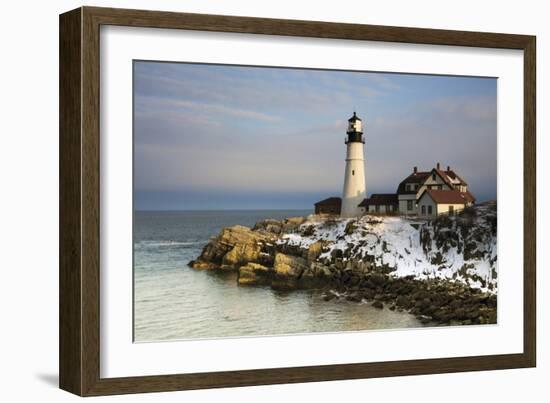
354	182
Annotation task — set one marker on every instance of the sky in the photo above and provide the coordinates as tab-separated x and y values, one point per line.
219	137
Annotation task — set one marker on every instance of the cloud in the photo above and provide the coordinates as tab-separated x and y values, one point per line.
467	108
384	81
148	104
258	87
250	131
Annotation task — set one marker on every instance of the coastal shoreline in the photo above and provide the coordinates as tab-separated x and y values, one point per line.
297	253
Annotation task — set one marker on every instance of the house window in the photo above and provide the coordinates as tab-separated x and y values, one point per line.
409	205
423	210
353	172
451	210
433	176
429	210
377	208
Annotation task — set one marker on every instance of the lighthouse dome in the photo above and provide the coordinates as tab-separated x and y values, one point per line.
355	124
354	118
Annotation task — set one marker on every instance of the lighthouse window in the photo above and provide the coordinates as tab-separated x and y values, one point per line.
353	172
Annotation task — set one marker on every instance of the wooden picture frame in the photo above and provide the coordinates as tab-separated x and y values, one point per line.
79	279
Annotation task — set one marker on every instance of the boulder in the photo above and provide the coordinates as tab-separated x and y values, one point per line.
403	301
315	276
309	230
292	224
328	296
288	270
377	279
354	297
350	227
321	270
289	266
242	254
239	234
315	250
269	225
254	274
234	247
214	252
202	265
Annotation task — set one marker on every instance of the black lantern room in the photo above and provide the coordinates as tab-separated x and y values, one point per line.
355	130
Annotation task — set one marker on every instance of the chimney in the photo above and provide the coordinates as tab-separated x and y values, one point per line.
438	166
415	170
448	167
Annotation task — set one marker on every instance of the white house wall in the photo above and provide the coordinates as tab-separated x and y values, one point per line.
382	209
441	208
403	204
444	208
427	201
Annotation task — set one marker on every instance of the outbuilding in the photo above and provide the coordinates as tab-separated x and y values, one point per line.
380	203
332	205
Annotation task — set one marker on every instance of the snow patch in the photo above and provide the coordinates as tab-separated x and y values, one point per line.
395	242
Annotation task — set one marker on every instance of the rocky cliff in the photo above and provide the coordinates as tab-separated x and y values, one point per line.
443	271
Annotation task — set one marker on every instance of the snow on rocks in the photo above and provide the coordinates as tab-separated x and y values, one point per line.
461	247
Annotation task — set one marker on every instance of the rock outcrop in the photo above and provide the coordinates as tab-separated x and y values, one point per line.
255	274
235	247
442	271
288	271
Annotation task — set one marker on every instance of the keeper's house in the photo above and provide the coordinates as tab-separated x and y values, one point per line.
447	189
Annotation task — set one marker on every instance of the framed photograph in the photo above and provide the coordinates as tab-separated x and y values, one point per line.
248	201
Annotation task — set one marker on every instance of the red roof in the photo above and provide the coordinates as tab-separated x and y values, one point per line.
419	178
449	196
452	174
470	197
447	176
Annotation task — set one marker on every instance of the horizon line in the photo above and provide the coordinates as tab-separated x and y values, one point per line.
233	209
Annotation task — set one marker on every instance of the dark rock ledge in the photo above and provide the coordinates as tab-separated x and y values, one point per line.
263	261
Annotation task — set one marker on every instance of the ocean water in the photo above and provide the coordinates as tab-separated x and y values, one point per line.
175	302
